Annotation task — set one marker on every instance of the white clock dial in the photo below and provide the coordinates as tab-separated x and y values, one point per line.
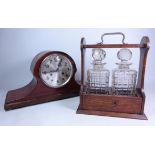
56	70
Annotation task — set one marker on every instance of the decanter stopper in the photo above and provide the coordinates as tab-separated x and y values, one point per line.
98	55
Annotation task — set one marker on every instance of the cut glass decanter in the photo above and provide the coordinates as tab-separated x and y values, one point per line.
124	78
98	76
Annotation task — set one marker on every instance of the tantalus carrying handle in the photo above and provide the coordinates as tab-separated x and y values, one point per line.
115	33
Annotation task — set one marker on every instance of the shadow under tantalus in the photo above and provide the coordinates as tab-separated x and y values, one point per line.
71	103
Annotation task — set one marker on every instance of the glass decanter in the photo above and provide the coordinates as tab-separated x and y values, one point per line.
124	78
98	77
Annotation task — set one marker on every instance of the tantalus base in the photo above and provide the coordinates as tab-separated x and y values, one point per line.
112	114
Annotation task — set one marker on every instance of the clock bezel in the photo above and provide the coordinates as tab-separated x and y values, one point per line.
47	57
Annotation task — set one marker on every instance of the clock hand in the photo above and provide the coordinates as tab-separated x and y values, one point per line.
58	65
54	68
50	71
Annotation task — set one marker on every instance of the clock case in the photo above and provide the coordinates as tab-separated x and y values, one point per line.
37	91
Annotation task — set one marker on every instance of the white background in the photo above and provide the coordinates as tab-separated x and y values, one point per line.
19	46
78	140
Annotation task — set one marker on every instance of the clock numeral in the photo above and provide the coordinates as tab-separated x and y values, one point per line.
55	59
59	65
65	63
67	75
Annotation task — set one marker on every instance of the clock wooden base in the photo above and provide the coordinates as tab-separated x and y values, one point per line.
37	91
33	94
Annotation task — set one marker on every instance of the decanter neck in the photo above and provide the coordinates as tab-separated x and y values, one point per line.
98	65
124	65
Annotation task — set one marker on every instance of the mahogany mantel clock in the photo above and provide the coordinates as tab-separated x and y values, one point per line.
53	79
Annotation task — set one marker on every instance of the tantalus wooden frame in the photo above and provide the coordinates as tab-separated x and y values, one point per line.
113	105
36	91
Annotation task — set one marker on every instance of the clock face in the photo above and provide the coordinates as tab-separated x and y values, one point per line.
56	70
